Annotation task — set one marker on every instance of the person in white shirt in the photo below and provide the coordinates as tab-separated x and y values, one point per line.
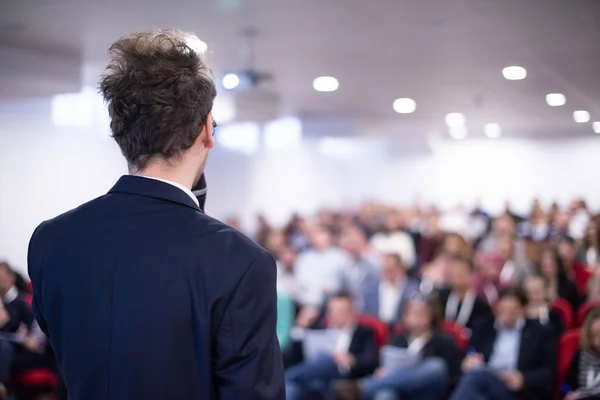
319	273
363	272
353	355
394	240
386	298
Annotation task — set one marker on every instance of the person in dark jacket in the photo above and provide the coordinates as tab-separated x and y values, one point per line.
511	358
354	356
436	353
583	375
538	308
559	284
461	302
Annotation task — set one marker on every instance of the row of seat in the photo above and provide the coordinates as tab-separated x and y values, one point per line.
567	347
565	310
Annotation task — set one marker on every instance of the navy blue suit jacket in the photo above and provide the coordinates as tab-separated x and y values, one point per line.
143	296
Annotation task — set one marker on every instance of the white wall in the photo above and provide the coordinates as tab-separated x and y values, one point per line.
45	171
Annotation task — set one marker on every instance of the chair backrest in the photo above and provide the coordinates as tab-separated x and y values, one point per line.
584	309
563	308
379	327
568	345
458	332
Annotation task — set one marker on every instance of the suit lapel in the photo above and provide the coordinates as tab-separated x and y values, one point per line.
524	348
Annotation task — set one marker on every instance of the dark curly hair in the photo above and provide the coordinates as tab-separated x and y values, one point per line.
159	93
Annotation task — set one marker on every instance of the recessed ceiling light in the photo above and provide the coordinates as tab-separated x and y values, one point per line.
581	117
231	81
455	119
597	126
492	130
326	84
458	132
556	99
514	73
404	106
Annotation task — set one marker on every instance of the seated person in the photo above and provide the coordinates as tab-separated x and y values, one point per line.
583	374
460	302
21	342
436	352
354	356
385	298
511	357
537	305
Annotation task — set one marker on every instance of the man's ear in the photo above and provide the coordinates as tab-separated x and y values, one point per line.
206	135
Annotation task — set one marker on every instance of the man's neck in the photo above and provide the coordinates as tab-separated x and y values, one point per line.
160	170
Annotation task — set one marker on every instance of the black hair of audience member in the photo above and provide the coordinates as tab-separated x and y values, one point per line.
568	240
20	282
562	271
515	292
342	295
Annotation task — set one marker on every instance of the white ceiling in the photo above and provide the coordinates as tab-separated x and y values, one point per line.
447	55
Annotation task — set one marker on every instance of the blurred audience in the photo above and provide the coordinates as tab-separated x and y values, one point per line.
22	343
385	298
395	240
408	268
511	357
538	307
558	283
583	375
435	365
354	354
461	302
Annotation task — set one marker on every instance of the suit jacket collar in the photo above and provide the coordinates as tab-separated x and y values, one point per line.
154	188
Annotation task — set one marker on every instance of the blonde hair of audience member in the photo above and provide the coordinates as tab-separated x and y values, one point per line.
535	289
590	331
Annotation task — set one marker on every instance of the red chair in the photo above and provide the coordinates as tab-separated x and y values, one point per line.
568	345
458	332
584	309
379	327
563	308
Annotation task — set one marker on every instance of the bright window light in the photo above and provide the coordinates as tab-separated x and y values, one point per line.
455	119
514	73
224	110
404	106
77	110
556	99
326	84
458	132
196	44
231	81
242	137
492	130
596	126
338	147
581	116
282	133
